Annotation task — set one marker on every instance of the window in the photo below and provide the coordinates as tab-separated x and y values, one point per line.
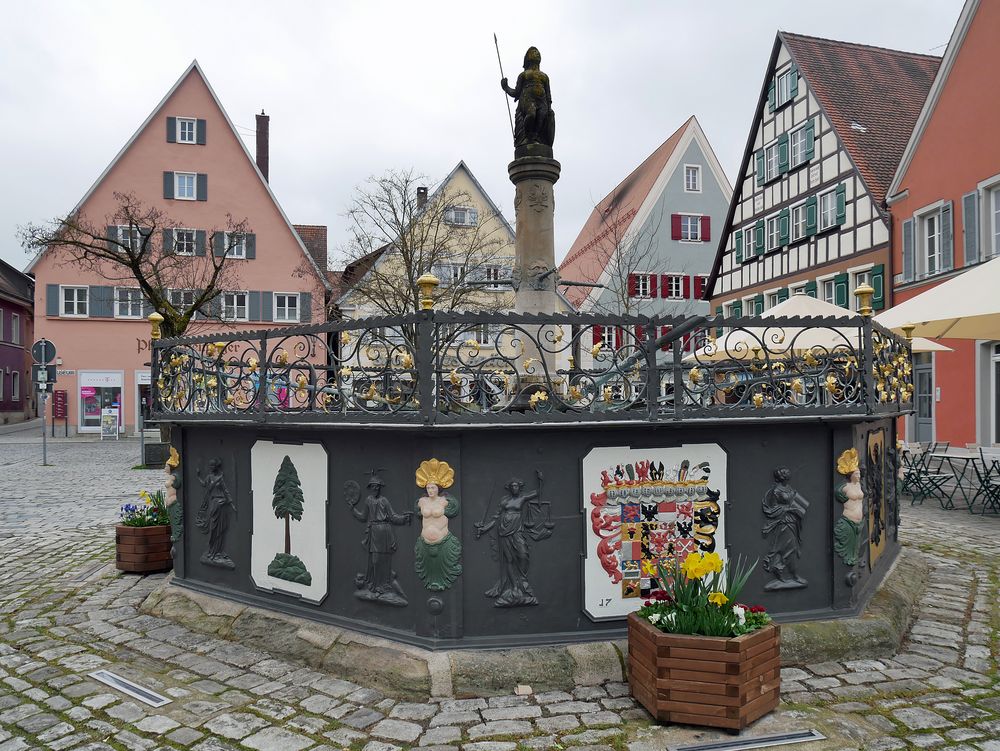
771	170
608	337
772	299
692	178
783	88
461	215
15	328
182	299
184	242
860	278
286	307
128	302
690	228
234	306
798	146
801	289
748	250
15	386
674	287
995	220
186	130
494	275
827	210
798	222
452	273
773	233
236	245
74	301
932	243
130	236
828	288
481	333
184	186
642	286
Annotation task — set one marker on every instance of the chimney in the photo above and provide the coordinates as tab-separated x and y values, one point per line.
263	140
421	197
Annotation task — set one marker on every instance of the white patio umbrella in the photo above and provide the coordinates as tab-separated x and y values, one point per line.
781	341
964	307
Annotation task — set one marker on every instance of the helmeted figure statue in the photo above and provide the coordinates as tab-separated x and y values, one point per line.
378	582
534	121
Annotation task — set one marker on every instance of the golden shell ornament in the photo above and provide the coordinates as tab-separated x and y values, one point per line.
848	462
175	458
434	471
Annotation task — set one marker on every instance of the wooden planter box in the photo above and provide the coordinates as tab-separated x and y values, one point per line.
143	549
704	680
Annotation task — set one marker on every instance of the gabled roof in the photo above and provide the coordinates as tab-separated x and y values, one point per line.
313	236
16	285
870	95
194	67
954	45
623	206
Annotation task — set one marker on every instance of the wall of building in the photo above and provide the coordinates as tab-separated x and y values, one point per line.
15	362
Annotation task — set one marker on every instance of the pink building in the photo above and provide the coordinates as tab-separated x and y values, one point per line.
187	160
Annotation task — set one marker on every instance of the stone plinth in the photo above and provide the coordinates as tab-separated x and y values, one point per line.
534	205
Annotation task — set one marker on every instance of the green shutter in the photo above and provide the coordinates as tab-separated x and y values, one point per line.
737	308
782	294
811	216
760	167
878	284
758	305
758	238
841	203
738	243
908	254
947	248
782	153
794	80
770	97
840	287
810	139
784	222
811	288
718	329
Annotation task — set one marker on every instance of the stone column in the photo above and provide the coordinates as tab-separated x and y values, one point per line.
534	203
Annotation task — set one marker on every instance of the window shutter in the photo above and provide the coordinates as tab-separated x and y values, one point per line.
699	287
810	139
652	286
675	226
793	76
782	153
770	96
267	306
841	203
718	329
171	130
947	246
102	302
215	306
758	238
219	244
840	284
664	330
782	294
737	308
253	305
199	242
618	337
706	229
784	222
687	287
168	184
640	332
632	285
664	285
811	216
51	299
200	132
598	332
970	228
878	284
305	307
449	215
811	288
202	191
168	241
738	245
473	216
908	257
251	245
760	167
758	304
111	233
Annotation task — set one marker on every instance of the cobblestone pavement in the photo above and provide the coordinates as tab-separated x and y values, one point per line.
65	612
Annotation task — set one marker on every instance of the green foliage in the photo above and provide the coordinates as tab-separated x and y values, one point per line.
152	512
290	568
288	498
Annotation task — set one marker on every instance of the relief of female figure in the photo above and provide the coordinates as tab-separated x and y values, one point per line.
847	531
438	553
517	519
213	516
378	582
785	510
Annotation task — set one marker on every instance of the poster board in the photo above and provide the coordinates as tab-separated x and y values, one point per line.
109	423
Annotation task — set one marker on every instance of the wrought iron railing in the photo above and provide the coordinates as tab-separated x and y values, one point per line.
436	367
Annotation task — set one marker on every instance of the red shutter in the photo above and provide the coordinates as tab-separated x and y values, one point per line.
675	226
618	337
687	342
706	229
665	330
687	287
640	332
699	286
632	284
664	285
598	334
652	285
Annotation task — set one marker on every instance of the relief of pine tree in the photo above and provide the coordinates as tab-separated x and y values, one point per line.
288	505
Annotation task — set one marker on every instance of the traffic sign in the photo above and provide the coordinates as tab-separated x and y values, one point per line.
43	375
43	352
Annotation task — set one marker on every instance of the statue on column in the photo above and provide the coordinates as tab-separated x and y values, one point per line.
534	120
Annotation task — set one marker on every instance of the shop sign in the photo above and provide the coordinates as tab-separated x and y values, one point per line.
109	423
59	404
88	392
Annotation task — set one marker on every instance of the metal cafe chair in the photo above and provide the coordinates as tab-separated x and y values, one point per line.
936	463
988	474
923	483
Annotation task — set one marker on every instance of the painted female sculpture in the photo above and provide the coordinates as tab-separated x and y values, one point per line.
174	511
847	531
785	510
213	516
519	517
438	553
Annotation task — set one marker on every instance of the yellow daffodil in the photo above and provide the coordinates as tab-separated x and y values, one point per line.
717	598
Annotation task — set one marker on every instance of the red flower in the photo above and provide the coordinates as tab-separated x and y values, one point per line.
756	609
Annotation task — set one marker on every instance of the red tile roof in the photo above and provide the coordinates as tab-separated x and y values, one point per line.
611	218
313	236
871	95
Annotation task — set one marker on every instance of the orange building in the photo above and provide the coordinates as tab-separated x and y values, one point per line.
945	205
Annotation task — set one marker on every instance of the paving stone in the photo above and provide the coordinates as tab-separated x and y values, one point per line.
440	736
276	739
380	746
236	725
919	718
127	711
156	724
925	740
601	718
344	736
558	723
572	707
184	736
500	727
455	718
590	736
548	697
397	730
490	746
413	711
362	718
512	713
463	705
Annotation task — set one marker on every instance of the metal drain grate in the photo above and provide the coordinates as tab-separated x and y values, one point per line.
759	741
126	686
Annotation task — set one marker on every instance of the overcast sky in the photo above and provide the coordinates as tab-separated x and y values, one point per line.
354	89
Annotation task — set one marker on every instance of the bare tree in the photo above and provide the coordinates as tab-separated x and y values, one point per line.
398	235
180	278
